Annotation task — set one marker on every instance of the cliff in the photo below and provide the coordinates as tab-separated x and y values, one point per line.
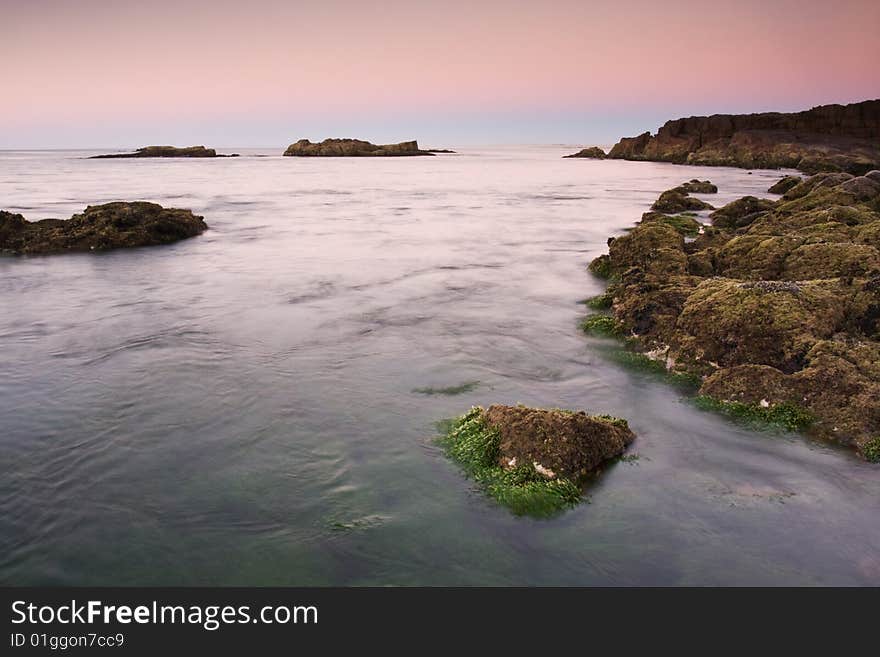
825	138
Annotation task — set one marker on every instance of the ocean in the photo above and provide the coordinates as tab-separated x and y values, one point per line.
259	405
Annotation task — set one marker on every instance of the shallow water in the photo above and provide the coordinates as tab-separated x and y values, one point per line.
239	408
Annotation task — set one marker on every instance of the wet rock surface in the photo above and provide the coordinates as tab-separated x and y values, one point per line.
99	228
826	138
534	460
355	148
557	443
776	305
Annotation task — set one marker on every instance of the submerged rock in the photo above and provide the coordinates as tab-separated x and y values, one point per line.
825	138
165	151
533	460
353	148
593	152
99	228
776	306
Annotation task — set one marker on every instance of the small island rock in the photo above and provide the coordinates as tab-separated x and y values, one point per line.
353	148
164	151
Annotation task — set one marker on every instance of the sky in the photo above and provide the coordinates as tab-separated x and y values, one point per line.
115	73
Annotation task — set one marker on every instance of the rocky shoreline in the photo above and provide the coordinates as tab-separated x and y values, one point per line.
825	138
99	228
164	151
773	310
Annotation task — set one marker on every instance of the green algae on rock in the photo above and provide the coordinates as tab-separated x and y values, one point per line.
533	461
776	307
678	200
99	228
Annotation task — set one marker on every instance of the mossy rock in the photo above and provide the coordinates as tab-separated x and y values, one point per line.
532	460
830	260
695	186
603	325
601	266
676	200
741	212
654	247
776	306
785	184
756	257
685	224
764	323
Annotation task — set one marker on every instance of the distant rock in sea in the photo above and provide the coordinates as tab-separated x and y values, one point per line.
165	151
99	228
826	138
355	148
593	152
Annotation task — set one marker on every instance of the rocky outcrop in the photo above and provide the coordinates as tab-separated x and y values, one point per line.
353	148
775	307
534	460
593	152
678	200
784	184
825	138
694	186
99	228
165	151
558	444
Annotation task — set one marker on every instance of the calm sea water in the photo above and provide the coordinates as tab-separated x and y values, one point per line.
240	408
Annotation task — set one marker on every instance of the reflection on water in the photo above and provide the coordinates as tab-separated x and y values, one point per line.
249	407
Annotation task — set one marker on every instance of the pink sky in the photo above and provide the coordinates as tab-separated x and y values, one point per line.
97	72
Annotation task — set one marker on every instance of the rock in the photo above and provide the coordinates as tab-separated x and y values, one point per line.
776	306
729	323
532	460
557	443
99	228
825	138
675	200
653	247
862	188
353	148
741	212
695	186
784	184
593	152
164	151
683	223
631	148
